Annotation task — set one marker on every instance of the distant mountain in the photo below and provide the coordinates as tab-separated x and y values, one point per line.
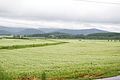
72	31
29	32
49	30
3	32
11	29
82	31
21	31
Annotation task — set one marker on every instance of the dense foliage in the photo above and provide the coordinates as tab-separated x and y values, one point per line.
69	36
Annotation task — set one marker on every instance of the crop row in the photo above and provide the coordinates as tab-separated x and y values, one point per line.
30	45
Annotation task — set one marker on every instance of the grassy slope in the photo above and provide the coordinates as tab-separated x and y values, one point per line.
66	60
9	42
4	75
21	43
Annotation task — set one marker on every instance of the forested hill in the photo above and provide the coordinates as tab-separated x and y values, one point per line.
103	36
69	36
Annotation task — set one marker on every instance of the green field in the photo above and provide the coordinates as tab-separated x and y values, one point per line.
8	42
83	60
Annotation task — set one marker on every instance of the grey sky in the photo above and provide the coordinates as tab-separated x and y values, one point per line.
74	14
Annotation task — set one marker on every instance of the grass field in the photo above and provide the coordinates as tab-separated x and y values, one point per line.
9	42
82	60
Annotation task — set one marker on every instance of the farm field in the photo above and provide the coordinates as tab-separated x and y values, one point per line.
75	60
9	42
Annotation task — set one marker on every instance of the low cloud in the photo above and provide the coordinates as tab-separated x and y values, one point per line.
57	11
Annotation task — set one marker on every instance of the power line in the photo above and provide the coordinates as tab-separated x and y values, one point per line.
115	3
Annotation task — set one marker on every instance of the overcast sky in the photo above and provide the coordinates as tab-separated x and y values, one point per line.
71	14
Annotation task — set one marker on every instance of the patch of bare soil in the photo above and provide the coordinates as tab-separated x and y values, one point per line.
37	79
83	76
55	79
27	79
119	71
80	76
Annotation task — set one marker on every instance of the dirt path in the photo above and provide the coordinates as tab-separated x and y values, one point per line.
111	78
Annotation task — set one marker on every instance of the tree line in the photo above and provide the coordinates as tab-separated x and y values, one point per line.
58	35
